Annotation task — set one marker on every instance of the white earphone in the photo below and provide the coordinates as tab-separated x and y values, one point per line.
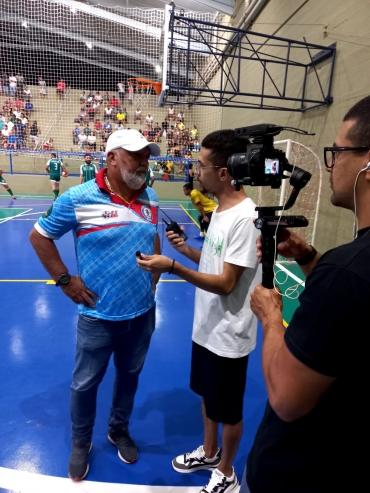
355	231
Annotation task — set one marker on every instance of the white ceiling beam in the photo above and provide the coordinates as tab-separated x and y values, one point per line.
42	47
76	37
225	6
109	16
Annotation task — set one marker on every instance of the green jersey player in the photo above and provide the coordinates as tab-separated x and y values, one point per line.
5	185
88	170
54	167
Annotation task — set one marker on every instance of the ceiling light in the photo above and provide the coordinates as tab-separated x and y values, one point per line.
158	68
24	24
89	45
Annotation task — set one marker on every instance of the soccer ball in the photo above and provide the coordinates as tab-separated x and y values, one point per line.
65	174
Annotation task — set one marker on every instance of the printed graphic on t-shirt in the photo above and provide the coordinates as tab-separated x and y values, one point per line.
214	243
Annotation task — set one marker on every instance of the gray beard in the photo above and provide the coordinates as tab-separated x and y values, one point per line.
132	181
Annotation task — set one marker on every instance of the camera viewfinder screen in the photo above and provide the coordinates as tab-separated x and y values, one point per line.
271	166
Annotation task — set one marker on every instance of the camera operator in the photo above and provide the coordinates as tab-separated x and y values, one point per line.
308	440
224	328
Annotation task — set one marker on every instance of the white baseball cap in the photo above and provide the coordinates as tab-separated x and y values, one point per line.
130	140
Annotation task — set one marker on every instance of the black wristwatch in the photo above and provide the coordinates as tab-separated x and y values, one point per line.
63	280
307	258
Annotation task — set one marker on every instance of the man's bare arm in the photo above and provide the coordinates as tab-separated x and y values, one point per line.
50	259
222	284
293	388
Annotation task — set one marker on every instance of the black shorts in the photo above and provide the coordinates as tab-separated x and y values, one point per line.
221	382
204	224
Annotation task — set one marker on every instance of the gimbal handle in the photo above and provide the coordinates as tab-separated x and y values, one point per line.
268	225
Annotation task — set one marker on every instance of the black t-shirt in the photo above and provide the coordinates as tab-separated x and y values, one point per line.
321	452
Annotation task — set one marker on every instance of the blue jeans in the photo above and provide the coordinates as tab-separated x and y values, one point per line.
12	91
97	339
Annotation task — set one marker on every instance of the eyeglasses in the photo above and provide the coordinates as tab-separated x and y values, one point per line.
332	153
198	167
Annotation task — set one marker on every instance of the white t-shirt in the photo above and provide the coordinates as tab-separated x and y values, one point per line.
121	87
82	137
171	111
108	111
10	125
225	325
149	119
13	81
138	113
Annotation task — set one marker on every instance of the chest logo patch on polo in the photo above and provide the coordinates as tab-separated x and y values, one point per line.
147	213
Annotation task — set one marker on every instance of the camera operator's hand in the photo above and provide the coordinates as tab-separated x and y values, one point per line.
267	304
289	245
205	219
177	242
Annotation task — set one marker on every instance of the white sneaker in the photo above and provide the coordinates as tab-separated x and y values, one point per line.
201	234
219	483
195	461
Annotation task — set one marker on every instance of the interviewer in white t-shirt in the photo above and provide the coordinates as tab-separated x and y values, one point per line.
224	327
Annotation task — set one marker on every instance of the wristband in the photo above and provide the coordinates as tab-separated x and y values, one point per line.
172	266
307	258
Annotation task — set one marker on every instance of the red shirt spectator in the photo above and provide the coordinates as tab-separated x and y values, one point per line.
114	102
98	126
61	85
18	103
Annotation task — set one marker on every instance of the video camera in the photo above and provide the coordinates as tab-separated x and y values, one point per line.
260	166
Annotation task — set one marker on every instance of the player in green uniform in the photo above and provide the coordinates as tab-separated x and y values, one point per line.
88	170
5	185
54	167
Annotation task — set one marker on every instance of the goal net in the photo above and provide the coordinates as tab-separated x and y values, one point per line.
79	72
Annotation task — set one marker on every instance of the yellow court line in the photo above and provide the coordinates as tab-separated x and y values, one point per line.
27	280
172	280
186	212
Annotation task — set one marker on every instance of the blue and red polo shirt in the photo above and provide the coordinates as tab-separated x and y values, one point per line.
107	232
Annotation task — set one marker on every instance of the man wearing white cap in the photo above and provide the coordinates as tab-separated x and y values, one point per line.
111	218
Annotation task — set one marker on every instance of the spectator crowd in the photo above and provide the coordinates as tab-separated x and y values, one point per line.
98	115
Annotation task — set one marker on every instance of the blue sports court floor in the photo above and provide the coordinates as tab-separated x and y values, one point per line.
36	361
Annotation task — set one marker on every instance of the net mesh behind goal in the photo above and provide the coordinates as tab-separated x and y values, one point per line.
79	66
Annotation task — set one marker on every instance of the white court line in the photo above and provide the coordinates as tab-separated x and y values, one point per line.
29	197
27	482
2	221
33	213
290	274
22	206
